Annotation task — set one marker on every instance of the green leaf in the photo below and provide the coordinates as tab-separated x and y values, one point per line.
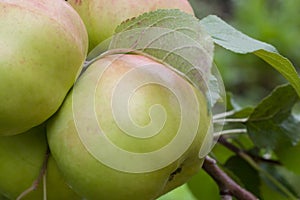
243	142
182	192
246	174
288	180
203	186
174	38
267	193
231	39
170	36
231	103
243	113
221	153
272	125
289	157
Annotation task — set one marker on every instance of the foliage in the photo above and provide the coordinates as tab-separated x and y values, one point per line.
272	21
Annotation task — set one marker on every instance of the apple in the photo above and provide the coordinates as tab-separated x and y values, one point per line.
43	45
21	158
101	17
131	128
3	197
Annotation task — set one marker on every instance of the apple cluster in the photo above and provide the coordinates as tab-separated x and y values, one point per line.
121	129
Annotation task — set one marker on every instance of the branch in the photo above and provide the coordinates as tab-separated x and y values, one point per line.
36	182
228	187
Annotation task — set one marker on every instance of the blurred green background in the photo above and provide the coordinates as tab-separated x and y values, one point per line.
273	21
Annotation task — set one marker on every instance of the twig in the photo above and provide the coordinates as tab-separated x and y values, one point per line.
36	182
252	161
227	186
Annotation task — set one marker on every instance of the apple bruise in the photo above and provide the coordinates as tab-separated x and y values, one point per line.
173	174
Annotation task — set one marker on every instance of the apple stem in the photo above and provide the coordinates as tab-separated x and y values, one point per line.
100	53
44	187
40	177
227	186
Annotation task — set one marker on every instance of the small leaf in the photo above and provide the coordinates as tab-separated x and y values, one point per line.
231	39
203	186
243	113
243	142
272	125
221	153
231	103
246	174
289	157
182	192
267	193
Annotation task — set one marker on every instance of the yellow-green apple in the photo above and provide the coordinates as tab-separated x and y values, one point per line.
21	158
43	45
131	128
101	17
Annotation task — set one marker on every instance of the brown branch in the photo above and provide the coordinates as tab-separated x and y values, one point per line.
227	186
37	181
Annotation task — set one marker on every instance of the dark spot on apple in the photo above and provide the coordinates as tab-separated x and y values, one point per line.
177	171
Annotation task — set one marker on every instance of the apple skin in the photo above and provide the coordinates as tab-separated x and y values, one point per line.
42	48
101	17
94	180
21	158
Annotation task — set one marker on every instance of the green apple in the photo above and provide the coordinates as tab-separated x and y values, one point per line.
21	158
101	17
43	45
3	197
131	128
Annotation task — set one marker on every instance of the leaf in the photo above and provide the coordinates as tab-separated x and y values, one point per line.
203	187
221	153
289	181
231	39
182	192
272	125
268	193
174	38
243	113
170	36
231	103
246	174
243	141
236	109
290	158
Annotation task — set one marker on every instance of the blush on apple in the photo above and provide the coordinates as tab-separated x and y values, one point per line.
43	45
131	128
